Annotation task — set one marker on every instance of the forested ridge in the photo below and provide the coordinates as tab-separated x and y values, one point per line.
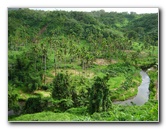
73	66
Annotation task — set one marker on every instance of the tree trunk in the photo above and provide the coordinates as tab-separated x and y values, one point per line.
45	70
55	65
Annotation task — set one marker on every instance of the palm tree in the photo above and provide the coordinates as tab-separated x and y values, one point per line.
44	59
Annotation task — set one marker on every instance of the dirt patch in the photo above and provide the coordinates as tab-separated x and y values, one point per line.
143	54
102	62
129	51
113	61
70	71
85	73
49	80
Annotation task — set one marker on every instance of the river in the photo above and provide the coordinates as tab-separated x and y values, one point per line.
143	92
141	97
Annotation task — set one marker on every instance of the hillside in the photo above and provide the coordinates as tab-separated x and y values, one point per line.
66	63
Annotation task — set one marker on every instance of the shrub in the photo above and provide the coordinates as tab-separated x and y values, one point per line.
65	104
78	111
61	86
33	105
12	99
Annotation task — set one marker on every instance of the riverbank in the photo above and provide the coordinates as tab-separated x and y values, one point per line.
154	85
142	94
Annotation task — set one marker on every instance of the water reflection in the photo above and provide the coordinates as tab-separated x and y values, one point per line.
143	92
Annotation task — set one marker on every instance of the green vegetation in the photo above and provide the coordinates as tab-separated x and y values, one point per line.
146	113
153	74
73	66
99	96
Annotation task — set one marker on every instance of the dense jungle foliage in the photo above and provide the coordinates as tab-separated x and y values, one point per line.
73	66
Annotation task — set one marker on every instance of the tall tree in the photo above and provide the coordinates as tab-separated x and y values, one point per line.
61	86
99	95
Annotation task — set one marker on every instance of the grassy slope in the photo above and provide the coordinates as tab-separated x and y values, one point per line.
47	116
147	112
